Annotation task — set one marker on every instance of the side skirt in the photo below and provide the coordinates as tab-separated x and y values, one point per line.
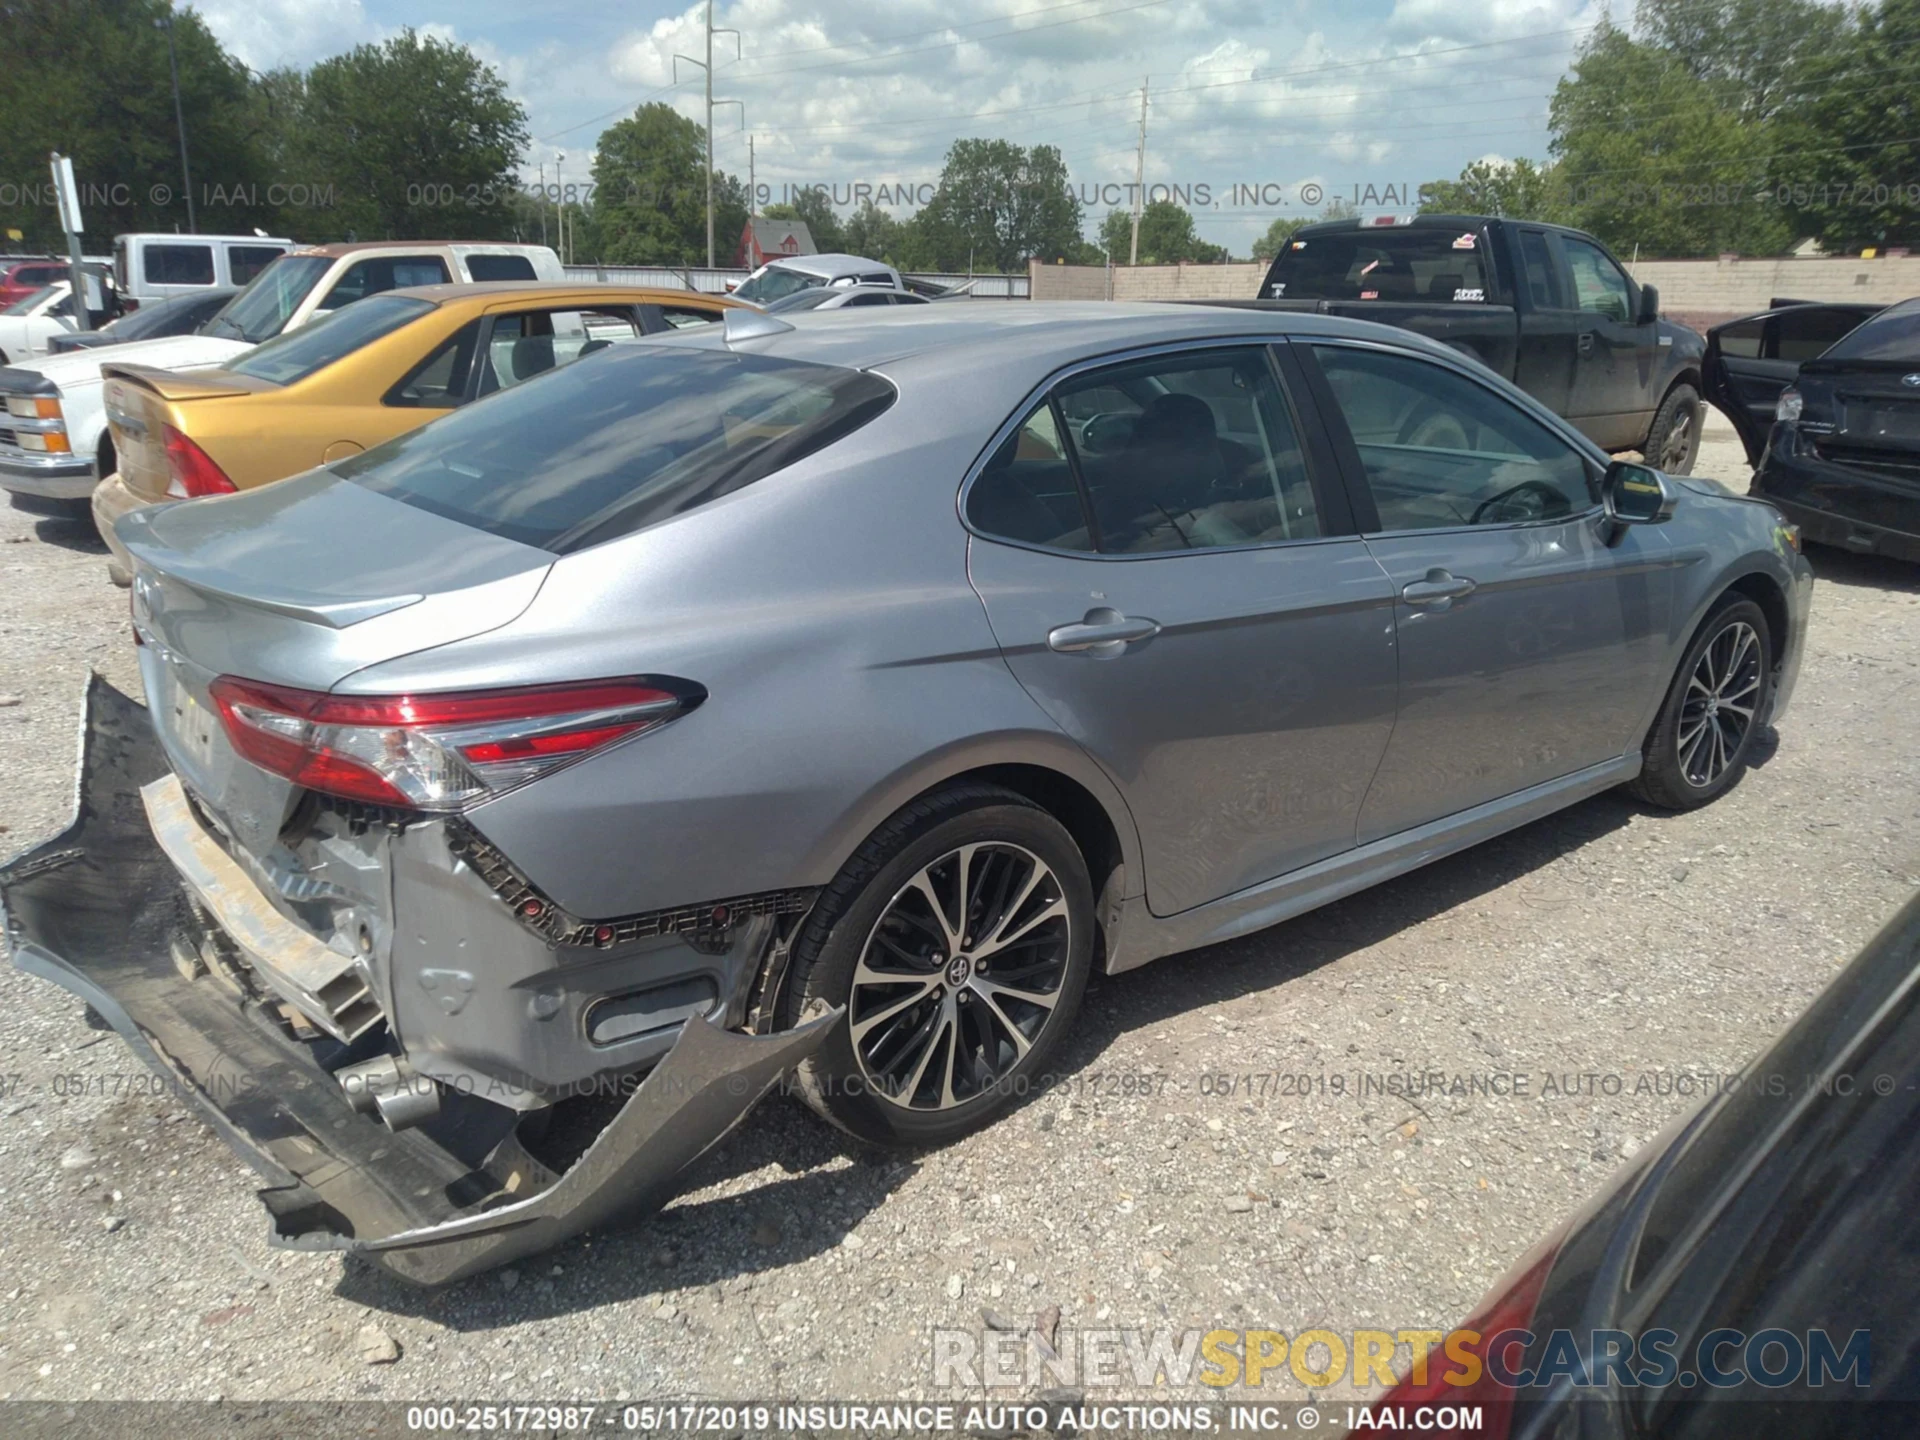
1144	936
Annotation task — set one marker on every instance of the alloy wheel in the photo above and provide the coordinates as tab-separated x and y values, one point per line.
1719	708
959	976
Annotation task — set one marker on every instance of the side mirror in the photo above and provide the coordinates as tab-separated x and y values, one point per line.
1649	305
1636	495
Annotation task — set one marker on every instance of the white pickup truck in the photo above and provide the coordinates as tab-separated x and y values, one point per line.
55	447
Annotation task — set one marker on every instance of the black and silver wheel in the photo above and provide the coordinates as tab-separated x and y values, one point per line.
1713	711
959	940
1673	440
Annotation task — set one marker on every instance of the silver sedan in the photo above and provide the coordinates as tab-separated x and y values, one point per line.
839	695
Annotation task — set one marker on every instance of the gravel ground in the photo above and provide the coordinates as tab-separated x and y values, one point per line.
1607	941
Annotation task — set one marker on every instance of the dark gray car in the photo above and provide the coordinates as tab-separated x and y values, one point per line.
841	694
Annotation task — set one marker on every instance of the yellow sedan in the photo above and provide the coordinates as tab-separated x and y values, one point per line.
372	370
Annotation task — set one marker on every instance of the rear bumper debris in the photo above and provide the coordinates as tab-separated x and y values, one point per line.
100	910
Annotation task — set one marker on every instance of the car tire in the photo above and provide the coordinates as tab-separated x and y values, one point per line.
1693	754
1673	440
944	1033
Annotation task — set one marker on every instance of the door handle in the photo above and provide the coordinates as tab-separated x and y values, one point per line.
1586	342
1439	586
1103	632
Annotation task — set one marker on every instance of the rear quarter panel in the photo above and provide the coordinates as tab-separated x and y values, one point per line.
849	667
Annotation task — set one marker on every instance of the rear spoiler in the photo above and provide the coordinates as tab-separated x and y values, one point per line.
182	385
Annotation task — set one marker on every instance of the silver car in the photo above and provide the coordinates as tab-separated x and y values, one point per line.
838	695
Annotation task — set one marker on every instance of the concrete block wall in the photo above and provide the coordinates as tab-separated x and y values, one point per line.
1694	291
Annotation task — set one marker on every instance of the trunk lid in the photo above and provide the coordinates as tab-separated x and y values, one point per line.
140	401
300	583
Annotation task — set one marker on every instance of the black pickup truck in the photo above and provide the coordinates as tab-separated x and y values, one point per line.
1546	307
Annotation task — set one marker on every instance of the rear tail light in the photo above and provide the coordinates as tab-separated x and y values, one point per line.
443	752
1789	405
193	471
1506	1311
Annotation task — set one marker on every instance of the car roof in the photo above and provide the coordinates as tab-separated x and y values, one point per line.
607	293
354	247
832	265
935	339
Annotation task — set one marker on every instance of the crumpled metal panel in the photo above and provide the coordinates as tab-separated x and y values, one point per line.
99	909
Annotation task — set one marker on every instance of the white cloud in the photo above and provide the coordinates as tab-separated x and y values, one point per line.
1371	92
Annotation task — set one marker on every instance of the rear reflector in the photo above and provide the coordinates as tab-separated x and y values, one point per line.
436	752
193	471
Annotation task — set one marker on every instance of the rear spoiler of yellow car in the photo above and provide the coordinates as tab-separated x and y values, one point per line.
184	385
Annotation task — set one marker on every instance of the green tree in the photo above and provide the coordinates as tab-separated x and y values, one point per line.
872	232
1278	233
1517	189
1654	157
1167	236
1758	48
997	206
650	196
89	78
418	138
813	208
1846	163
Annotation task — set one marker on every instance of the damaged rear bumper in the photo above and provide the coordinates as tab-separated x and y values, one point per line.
100	910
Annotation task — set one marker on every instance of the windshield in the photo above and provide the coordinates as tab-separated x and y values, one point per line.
801	300
770	282
1428	264
644	433
261	311
26	304
317	345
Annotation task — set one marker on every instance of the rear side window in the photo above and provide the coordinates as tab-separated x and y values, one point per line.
391	272
247	261
1541	279
1742	341
1892	335
500	267
1803	335
178	265
1027	493
1425	264
644	433
300	353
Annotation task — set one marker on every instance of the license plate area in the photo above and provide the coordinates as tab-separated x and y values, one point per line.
1874	420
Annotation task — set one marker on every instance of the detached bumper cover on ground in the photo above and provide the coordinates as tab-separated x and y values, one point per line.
99	910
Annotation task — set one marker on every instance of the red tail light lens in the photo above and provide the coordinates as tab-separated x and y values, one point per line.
1506	1309
193	471
434	752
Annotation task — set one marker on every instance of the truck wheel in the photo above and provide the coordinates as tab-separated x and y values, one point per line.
1700	742
1673	441
959	938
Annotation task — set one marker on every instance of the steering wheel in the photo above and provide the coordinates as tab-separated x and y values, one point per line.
1529	500
1099	433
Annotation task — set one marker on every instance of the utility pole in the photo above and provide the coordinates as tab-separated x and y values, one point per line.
752	191
1139	175
179	120
543	202
706	67
560	207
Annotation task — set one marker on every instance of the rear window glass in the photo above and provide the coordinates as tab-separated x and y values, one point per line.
1893	334
644	433
315	346
178	264
500	267
247	261
1427	265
